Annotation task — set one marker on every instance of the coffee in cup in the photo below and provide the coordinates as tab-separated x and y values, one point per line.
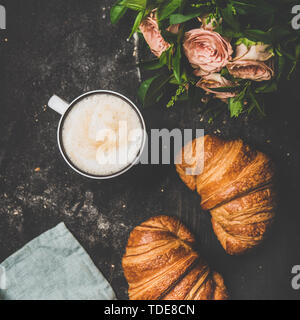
101	134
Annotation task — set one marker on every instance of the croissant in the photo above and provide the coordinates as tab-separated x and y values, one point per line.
160	264
236	185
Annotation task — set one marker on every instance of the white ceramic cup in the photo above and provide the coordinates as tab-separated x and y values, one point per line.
63	108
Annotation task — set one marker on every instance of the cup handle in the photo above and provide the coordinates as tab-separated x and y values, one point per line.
57	104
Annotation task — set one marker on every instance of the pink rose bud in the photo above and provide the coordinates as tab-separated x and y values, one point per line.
150	30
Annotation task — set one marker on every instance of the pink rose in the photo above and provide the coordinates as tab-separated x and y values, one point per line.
206	50
215	80
254	63
150	30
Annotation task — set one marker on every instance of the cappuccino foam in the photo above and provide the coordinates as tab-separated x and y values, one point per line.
102	134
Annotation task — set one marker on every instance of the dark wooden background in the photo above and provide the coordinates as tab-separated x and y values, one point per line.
68	47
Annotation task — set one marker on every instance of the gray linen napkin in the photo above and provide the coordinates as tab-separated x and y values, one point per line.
53	266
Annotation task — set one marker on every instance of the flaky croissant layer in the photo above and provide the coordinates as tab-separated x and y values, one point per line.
236	185
160	263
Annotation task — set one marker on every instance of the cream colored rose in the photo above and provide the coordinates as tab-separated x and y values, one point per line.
254	63
215	80
206	50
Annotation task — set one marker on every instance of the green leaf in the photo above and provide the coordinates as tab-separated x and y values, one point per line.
116	13
152	88
152	65
235	107
180	18
259	35
137	22
144	87
167	8
134	4
176	64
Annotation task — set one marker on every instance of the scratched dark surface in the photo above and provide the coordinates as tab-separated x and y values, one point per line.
68	47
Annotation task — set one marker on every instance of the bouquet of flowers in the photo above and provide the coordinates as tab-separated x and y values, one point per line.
237	51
